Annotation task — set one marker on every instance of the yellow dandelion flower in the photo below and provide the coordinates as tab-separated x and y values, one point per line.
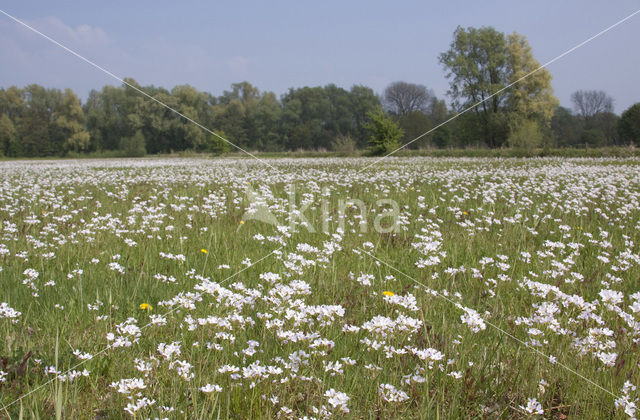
146	307
465	213
204	251
388	293
242	222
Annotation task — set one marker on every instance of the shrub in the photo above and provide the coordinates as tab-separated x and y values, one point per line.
385	134
215	145
133	146
344	144
526	135
593	138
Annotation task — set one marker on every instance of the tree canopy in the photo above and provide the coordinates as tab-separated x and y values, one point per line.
499	93
480	65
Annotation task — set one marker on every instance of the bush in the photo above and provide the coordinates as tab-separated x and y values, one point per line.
215	145
593	138
344	144
385	134
133	146
526	135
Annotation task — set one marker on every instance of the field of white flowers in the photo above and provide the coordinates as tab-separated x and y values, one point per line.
320	288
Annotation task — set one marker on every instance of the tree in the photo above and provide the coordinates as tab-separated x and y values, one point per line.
607	124
263	120
402	98
588	103
39	134
363	101
566	128
12	103
482	62
629	125
105	118
133	146
593	137
245	92
385	134
70	121
527	135
230	119
476	65
530	97
8	137
413	125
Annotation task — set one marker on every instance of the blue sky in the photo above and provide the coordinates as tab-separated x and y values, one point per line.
281	44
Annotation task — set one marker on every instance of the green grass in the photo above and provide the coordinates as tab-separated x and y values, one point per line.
84	211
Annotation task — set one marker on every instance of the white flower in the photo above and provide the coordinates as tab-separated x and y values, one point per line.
612	297
473	320
533	407
337	399
609	359
125	386
390	393
365	279
208	388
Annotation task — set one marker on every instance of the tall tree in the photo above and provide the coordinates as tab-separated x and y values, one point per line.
532	96
629	125
402	98
588	103
8	137
105	118
263	123
476	65
12	103
566	127
595	110
70	121
38	133
306	112
12	106
413	125
480	63
363	101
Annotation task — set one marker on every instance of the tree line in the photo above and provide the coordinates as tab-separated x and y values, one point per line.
498	94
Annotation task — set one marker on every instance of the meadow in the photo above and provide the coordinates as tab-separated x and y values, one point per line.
415	288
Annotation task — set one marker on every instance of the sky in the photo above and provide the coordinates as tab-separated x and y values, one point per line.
277	45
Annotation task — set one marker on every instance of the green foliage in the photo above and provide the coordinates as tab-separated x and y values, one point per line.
215	144
313	117
7	135
566	128
592	138
39	122
629	125
70	122
526	135
532	96
413	125
482	62
133	146
385	134
344	145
